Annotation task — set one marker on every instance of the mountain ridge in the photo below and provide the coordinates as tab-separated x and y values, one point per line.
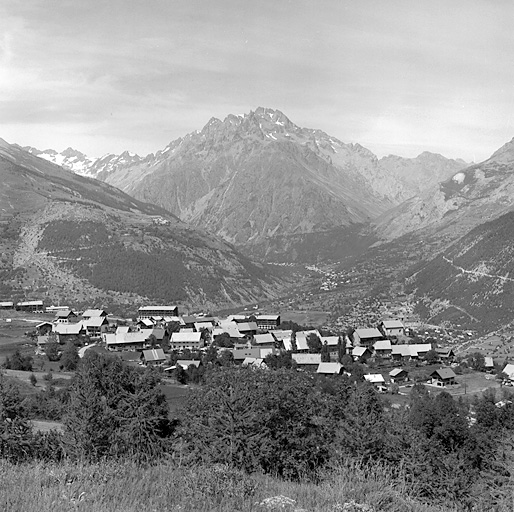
254	177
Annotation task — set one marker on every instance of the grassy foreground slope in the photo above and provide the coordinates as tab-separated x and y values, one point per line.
124	487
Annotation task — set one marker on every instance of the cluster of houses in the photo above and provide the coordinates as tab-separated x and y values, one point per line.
250	338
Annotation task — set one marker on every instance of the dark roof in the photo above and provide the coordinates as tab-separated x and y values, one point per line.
444	373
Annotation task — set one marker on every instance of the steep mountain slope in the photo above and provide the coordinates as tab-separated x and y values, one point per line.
448	210
66	237
472	282
262	182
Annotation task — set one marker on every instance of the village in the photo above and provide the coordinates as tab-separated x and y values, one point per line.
389	355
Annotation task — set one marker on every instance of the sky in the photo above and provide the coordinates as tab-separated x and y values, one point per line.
397	76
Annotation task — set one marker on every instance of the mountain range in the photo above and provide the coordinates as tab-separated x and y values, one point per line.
261	182
65	237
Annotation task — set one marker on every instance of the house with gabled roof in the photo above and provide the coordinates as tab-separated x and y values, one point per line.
330	368
125	341
69	332
240	354
94	326
301	339
247	328
443	377
361	354
307	361
399	375
264	340
382	348
44	328
153	356
93	313
366	337
378	381
180	340
186	363
65	316
284	337
445	354
392	327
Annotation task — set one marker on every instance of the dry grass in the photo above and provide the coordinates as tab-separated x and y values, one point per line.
117	487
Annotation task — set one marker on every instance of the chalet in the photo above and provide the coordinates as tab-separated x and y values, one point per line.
240	354
200	326
383	348
94	313
156	332
156	311
330	368
69	332
392	328
153	357
361	354
445	354
419	350
284	337
66	316
230	328
264	340
31	305
399	375
367	337
7	305
190	340
401	352
247	328
377	380
301	339
268	322
145	323
488	363
307	361
44	328
125	341
94	326
443	377
186	363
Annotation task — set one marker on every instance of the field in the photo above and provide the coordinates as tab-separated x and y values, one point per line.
13	326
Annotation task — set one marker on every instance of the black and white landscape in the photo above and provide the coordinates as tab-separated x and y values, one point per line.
256	256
